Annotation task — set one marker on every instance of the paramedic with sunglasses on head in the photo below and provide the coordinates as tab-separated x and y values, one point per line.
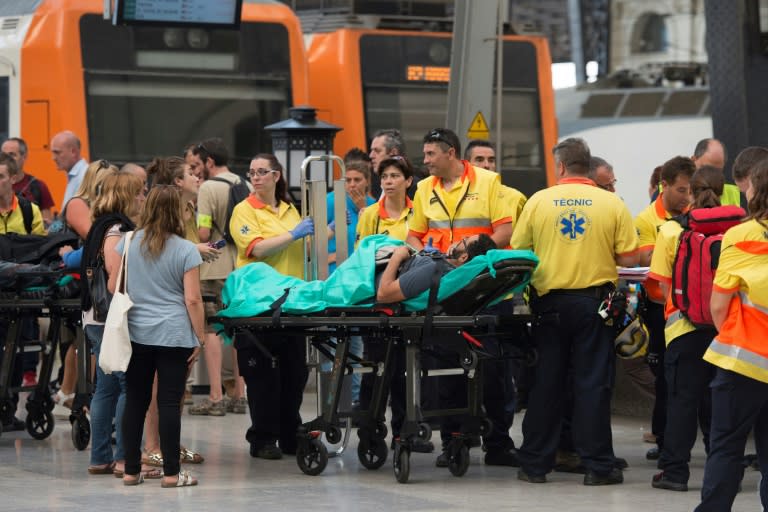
458	201
267	228
580	233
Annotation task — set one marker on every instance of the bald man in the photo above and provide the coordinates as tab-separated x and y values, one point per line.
136	170
65	149
712	152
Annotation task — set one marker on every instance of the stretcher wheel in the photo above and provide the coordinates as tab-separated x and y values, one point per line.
372	452
333	434
469	361
401	463
40	423
81	432
425	431
486	426
381	430
312	457
458	463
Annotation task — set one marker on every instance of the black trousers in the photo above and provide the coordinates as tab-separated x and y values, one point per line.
570	335
654	320
688	401
375	351
738	404
171	364
275	387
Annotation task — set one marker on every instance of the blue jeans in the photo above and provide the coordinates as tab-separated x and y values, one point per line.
108	404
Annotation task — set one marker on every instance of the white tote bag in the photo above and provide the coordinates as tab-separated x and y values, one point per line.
116	343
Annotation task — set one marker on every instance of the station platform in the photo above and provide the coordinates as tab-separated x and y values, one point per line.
52	475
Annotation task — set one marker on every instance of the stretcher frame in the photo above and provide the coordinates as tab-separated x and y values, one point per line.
411	332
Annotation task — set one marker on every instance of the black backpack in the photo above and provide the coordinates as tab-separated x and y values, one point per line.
238	192
26	212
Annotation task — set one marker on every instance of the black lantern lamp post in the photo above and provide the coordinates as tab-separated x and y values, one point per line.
298	137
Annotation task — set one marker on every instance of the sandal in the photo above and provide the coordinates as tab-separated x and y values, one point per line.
133	479
149	473
102	469
63	399
190	457
184	479
153	459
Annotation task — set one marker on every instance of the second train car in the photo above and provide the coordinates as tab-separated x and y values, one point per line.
365	80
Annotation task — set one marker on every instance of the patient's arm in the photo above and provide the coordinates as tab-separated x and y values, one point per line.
389	287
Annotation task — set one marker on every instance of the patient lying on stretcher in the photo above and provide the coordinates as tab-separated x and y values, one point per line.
257	288
408	275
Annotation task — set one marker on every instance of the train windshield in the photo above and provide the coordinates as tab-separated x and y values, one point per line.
405	85
152	91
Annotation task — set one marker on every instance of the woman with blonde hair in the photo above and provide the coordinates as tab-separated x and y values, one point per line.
114	211
77	217
166	324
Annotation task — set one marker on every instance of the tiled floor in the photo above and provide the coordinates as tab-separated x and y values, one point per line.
51	475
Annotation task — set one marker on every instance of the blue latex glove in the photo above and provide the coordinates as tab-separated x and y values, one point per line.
332	226
349	217
429	248
303	228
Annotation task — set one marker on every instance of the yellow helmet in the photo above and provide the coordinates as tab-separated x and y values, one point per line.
632	341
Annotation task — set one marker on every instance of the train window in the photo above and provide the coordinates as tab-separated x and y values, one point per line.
136	119
141	80
642	104
4	110
601	105
685	103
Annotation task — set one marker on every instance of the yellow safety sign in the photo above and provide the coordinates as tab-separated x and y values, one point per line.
478	129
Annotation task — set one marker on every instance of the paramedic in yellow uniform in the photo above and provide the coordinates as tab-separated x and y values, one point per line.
580	233
686	373
739	308
457	200
390	215
672	201
267	228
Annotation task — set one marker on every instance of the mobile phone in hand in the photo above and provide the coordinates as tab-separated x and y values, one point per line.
218	245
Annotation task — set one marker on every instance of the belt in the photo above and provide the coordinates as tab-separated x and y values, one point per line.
594	292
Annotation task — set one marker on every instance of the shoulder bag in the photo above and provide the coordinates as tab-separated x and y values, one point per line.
116	343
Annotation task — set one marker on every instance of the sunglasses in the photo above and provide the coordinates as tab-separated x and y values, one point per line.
438	136
261	172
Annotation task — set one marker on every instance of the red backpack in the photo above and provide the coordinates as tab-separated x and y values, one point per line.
698	253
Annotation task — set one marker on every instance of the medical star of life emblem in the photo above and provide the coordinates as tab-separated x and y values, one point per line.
572	225
244	230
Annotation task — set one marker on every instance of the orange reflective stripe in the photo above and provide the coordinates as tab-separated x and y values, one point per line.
752	247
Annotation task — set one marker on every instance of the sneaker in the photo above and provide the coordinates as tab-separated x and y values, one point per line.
14	425
502	458
653	453
208	408
614	477
421	446
531	479
239	405
660	481
30	379
267	451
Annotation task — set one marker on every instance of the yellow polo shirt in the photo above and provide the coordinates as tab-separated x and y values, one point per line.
661	270
253	221
648	223
12	221
576	229
374	220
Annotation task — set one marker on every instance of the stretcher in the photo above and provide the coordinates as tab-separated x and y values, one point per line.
31	292
450	319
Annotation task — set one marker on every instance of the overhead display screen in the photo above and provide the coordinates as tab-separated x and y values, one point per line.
218	13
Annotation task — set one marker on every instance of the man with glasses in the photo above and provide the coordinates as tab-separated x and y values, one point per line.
601	172
212	217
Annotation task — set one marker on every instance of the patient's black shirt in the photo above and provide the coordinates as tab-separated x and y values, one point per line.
415	274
